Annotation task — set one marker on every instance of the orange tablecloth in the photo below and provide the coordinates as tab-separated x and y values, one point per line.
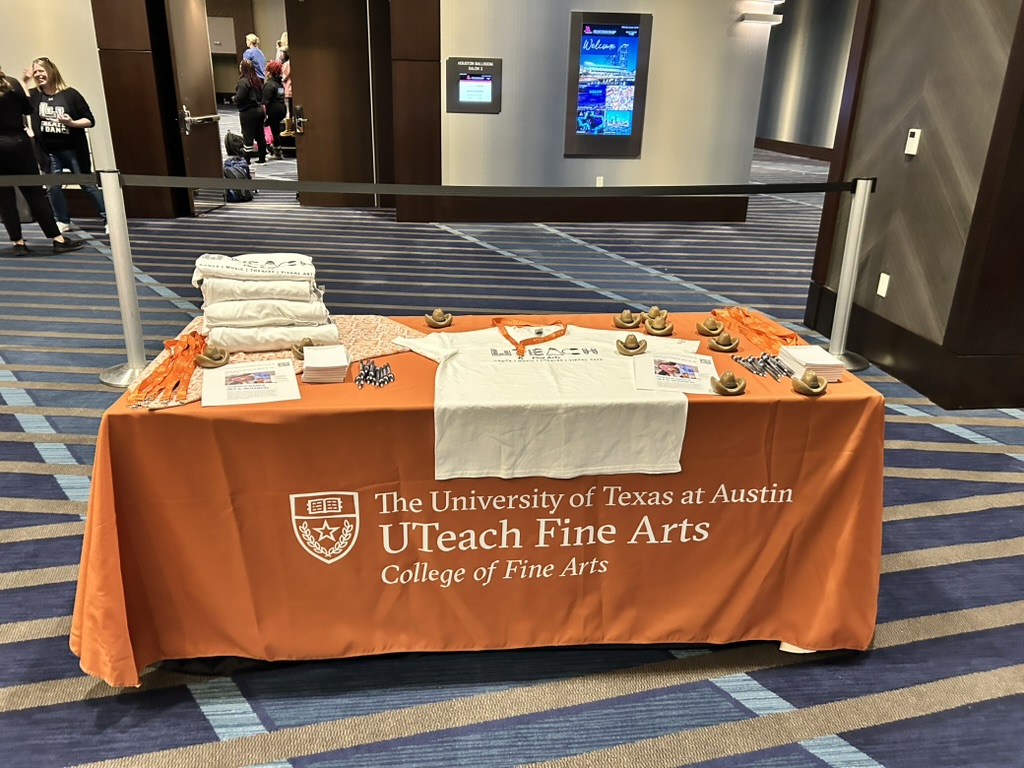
772	531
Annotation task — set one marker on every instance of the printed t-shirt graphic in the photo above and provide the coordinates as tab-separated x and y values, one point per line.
568	407
51	133
49	119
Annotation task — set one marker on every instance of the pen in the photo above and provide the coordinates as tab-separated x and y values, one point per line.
742	361
789	371
765	366
773	365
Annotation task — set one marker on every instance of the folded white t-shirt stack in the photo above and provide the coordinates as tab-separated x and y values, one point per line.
255	266
230	289
262	302
258	313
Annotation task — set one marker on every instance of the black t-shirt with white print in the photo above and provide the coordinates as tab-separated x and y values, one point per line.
52	135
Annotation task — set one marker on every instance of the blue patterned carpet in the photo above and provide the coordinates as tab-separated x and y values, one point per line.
942	687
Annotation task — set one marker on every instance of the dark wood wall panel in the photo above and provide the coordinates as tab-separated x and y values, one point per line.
383	107
988	291
945	224
136	129
124	35
416	30
331	86
121	24
417	103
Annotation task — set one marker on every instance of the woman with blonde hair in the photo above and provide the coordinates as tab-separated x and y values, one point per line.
255	55
17	159
60	115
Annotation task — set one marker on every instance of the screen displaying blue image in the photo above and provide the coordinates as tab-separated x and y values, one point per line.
607	78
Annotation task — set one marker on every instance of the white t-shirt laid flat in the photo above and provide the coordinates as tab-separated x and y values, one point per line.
567	408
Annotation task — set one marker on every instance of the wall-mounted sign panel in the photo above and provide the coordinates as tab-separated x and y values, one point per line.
473	85
609	55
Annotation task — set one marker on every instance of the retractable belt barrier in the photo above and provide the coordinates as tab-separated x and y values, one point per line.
342	187
120	245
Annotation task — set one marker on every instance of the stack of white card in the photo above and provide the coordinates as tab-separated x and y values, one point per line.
325	365
818	359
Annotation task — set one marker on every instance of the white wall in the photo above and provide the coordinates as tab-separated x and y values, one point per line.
703	94
268	18
62	31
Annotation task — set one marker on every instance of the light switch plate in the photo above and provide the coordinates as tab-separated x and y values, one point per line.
883	284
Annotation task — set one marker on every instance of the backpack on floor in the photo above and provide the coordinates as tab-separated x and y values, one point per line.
237	168
233	144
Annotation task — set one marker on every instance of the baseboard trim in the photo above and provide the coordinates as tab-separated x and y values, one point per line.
797	150
509	209
950	380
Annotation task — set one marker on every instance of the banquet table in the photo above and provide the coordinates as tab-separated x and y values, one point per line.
314	528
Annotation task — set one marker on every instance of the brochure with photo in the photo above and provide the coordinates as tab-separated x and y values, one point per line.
264	381
675	372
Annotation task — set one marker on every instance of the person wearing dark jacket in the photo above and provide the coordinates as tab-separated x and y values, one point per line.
60	116
18	158
249	100
273	100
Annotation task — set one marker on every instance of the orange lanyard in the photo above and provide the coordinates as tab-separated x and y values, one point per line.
504	322
764	333
172	376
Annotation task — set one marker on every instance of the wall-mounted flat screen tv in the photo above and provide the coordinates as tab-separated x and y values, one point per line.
609	56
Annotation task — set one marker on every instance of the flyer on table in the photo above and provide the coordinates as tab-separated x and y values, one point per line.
674	372
265	381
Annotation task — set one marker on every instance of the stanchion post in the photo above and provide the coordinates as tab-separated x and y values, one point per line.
124	275
848	278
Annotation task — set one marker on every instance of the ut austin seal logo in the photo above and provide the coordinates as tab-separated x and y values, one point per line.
326	524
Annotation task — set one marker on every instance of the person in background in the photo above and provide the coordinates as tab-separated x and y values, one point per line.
60	116
273	100
18	158
282	47
255	55
249	100
286	78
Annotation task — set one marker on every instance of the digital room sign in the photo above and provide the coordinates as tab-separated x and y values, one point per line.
473	85
609	57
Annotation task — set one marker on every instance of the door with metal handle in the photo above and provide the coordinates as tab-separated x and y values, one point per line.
300	119
187	120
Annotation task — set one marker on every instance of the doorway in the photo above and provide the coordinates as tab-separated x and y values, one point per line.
341	86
